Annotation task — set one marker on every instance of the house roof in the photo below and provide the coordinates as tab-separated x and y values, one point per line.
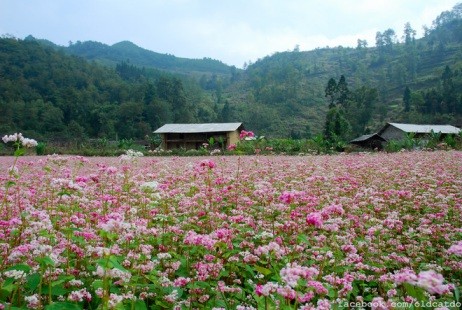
416	128
367	137
196	128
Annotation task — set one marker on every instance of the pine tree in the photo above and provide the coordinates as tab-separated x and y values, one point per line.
407	99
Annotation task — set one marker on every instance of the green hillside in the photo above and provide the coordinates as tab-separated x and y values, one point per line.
90	89
48	94
285	92
128	51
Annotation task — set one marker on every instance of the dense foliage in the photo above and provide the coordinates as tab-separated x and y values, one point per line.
287	90
143	58
47	93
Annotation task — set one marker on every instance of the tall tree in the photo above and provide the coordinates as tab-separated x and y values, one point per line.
407	99
448	91
389	38
409	34
343	92
361	44
331	92
379	42
336	126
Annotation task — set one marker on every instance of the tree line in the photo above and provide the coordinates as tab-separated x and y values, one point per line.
48	94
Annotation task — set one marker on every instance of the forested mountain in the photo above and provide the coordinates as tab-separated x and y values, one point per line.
48	94
127	51
89	89
287	90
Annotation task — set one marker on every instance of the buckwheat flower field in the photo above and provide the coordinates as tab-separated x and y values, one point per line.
381	231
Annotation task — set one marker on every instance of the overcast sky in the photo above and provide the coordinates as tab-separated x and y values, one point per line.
233	31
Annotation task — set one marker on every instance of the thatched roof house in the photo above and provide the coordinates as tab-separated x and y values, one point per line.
193	136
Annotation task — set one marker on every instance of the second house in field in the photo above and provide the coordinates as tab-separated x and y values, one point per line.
193	136
398	131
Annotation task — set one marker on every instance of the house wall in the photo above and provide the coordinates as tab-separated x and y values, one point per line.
371	143
393	133
233	137
191	141
163	145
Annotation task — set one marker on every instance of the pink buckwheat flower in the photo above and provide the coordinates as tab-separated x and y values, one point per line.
379	304
267	289
181	281
80	295
33	301
315	219
207	164
456	249
432	282
287	292
294	272
405	275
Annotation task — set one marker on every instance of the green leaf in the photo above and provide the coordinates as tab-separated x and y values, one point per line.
62	280
19	152
201	284
4	294
368	297
260	301
220	303
103	263
58	290
302	238
249	269
162	304
63	306
10	183
45	261
119	306
115	263
264	271
21	267
332	293
97	284
9	287
140	305
33	281
456	293
415	292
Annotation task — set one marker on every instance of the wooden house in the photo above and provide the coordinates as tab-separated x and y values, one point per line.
397	131
372	141
193	136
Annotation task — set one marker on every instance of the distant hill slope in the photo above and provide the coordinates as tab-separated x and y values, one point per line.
48	94
284	93
278	96
127	51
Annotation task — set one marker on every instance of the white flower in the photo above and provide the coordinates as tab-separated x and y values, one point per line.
130	155
150	185
163	256
33	301
15	274
29	142
18	137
